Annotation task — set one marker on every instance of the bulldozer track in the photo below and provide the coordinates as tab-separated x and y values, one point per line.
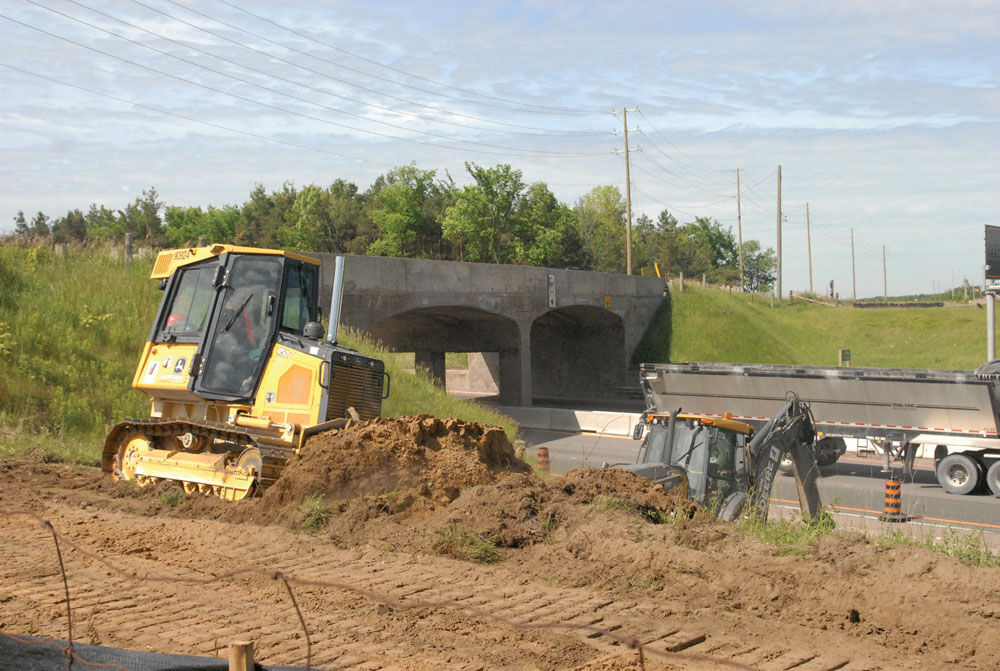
152	614
273	457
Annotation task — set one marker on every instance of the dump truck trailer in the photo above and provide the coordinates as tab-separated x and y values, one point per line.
896	410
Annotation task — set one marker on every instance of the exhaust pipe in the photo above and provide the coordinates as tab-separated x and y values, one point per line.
336	299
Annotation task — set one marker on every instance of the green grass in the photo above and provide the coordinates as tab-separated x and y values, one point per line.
71	330
459	541
967	547
317	513
789	536
716	325
171	497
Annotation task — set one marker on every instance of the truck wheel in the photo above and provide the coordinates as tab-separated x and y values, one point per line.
958	474
993	478
829	449
733	506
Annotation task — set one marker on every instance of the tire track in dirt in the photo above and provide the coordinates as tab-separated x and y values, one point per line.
165	617
736	612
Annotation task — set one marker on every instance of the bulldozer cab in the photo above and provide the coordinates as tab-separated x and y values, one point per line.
710	453
231	306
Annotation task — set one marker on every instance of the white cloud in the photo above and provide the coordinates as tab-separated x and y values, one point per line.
884	116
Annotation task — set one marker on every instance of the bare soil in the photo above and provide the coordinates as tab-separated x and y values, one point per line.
440	549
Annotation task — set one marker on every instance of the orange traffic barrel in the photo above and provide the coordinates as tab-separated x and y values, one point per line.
543	459
893	502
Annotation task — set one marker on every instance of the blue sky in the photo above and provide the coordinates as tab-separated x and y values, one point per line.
883	116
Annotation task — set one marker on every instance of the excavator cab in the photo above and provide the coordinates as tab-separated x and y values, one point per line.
706	455
726	465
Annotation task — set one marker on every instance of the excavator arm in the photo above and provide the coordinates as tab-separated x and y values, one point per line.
789	432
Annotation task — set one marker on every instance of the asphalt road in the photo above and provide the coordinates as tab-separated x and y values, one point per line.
854	487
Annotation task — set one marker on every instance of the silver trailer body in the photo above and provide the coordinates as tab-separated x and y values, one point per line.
905	405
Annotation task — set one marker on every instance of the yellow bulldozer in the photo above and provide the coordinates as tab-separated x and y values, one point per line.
239	372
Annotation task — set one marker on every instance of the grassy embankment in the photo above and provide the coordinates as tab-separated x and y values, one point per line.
714	325
71	331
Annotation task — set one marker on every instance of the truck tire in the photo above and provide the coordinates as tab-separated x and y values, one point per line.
958	474
829	449
993	478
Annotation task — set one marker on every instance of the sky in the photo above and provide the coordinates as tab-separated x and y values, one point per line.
884	116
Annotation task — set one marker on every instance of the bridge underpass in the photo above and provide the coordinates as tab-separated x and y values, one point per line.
455	329
558	334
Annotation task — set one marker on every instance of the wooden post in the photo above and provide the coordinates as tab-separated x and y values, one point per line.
241	656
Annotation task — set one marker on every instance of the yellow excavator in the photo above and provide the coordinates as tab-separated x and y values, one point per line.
239	372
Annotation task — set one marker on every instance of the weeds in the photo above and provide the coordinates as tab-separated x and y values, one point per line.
790	537
605	504
967	547
171	497
317	513
459	541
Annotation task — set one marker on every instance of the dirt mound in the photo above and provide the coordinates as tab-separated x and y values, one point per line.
594	546
411	461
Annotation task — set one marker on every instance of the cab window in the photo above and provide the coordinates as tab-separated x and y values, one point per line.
191	304
300	297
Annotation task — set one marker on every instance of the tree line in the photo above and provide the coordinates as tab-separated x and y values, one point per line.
412	212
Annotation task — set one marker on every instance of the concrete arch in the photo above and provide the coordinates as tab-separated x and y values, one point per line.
577	353
429	332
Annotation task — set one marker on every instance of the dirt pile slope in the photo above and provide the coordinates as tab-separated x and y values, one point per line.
597	548
420	460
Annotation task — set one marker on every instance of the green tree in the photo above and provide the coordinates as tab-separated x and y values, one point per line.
306	221
601	221
759	267
483	224
40	225
184	225
263	215
709	233
406	204
142	219
21	227
70	228
102	224
550	229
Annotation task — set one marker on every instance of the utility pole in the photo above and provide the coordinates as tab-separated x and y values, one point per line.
809	246
739	226
854	283
628	202
885	285
779	234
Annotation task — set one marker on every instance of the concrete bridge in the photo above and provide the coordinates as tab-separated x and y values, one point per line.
559	334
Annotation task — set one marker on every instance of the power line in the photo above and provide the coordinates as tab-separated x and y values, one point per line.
667	140
437	119
273	90
552	110
525	153
303	67
190	118
691	185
